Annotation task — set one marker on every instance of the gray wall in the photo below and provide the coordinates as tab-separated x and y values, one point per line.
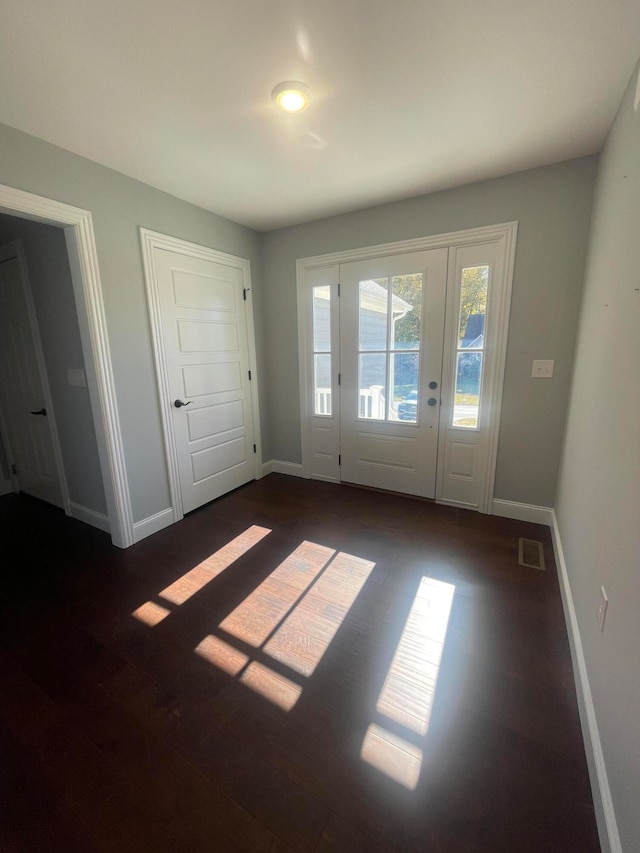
598	504
552	205
118	206
48	267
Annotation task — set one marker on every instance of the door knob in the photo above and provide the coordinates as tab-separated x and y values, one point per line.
179	404
431	401
433	385
42	412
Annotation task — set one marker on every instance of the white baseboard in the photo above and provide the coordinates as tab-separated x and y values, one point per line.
293	469
523	512
6	487
457	504
151	525
267	468
89	516
609	834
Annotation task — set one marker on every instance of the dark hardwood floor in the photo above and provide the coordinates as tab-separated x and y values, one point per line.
296	667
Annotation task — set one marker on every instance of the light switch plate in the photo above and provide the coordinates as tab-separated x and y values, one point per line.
542	369
76	377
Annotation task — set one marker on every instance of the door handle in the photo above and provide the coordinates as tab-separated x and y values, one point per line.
42	412
431	401
179	404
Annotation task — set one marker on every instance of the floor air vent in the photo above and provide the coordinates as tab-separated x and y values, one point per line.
530	554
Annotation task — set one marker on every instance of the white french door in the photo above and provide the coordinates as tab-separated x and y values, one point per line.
391	339
402	356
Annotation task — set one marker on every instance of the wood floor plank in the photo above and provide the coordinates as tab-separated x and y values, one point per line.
298	666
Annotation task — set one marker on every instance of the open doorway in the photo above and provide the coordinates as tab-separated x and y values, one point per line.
77	227
47	426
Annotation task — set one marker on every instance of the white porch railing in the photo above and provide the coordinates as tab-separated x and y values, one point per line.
323	401
370	402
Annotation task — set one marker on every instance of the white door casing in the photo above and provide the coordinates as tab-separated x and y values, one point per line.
85	275
389	453
320	433
27	417
199	302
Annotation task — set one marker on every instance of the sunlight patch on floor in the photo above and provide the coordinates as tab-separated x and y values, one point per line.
276	688
407	696
221	654
339	586
254	620
392	755
291	619
194	580
150	613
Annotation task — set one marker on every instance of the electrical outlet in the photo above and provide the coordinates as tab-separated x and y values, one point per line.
602	608
542	369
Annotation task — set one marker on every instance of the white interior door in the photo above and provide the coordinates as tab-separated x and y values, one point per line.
25	417
204	336
391	341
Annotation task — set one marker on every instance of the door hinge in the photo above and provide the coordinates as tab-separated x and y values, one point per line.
338	288
249	372
339	459
244	293
13	470
255	449
339	378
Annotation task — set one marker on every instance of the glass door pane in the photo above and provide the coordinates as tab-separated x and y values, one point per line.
373	335
389	342
322	350
405	343
470	346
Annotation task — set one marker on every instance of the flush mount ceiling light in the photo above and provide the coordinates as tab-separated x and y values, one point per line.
291	96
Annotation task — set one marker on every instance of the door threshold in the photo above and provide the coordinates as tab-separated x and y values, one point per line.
388	492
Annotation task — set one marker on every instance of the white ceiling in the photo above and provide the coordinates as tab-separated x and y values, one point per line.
410	96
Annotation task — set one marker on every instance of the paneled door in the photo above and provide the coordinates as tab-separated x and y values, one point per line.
391	342
205	343
26	417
